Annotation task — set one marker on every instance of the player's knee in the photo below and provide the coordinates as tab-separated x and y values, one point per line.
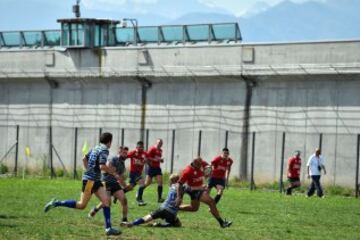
81	205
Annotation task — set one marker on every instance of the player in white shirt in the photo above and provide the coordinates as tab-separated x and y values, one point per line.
314	166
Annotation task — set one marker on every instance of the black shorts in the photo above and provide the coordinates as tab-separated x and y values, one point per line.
89	186
216	181
153	172
292	180
194	194
168	216
112	187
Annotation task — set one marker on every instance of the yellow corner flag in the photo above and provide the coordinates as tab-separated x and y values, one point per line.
27	151
85	148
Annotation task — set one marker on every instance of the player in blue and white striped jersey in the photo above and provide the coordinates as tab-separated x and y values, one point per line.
94	163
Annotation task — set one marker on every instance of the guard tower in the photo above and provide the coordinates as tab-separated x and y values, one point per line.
87	32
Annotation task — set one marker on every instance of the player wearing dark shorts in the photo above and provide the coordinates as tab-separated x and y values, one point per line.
154	157
137	162
293	172
167	211
221	167
113	186
193	176
94	164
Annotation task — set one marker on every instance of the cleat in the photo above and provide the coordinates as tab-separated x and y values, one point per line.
112	232
92	212
161	200
50	205
226	224
141	203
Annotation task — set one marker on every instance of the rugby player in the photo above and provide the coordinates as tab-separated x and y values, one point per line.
221	167
91	183
293	172
137	162
167	210
193	176
114	187
154	157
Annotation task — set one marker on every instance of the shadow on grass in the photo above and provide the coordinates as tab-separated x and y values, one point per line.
7	225
3	216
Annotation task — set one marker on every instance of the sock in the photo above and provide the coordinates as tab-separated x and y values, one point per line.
217	198
140	192
138	221
107	216
98	207
124	219
288	190
219	219
159	190
66	203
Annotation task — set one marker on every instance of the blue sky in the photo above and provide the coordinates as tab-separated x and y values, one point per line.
42	14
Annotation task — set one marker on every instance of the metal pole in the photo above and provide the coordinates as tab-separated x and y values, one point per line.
17	149
252	184
75	152
52	174
199	143
281	184
172	151
357	168
320	140
122	136
100	132
226	138
147	139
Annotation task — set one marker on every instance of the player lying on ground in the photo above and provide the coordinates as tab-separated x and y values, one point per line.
91	183
114	187
154	157
193	176
167	210
221	167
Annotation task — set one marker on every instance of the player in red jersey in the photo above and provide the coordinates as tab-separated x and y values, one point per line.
221	167
193	176
294	166
137	162
154	157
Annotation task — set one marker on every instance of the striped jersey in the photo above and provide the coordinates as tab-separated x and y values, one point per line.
169	203
119	164
96	157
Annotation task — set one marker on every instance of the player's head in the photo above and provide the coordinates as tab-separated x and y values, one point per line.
297	153
159	143
123	151
225	152
106	138
317	151
196	163
174	178
140	145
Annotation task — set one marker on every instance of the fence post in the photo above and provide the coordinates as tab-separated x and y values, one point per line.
320	140
100	132
75	152
17	149
357	167
281	184
147	139
122	136
226	138
252	183
172	151
52	173
199	143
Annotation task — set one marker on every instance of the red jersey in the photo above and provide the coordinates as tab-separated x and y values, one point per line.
137	160
294	165
154	152
220	166
193	177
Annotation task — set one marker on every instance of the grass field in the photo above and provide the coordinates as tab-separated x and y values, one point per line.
256	215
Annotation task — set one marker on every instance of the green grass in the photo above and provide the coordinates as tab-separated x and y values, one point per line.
256	215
